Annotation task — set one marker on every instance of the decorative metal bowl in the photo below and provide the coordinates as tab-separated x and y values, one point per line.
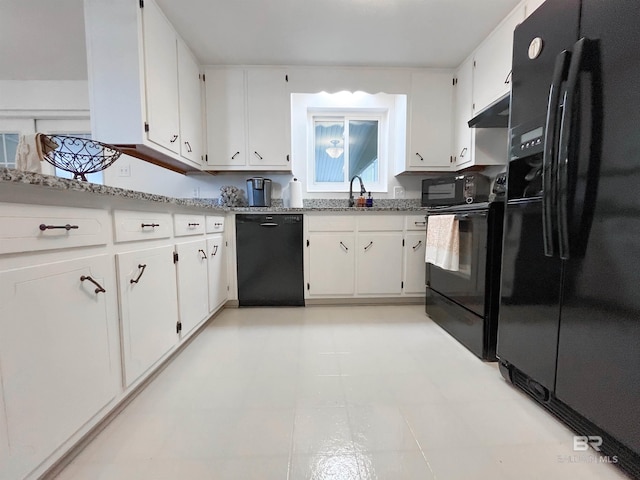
80	155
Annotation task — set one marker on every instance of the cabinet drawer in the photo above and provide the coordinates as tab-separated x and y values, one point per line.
331	223
214	224
26	228
131	226
415	222
185	224
380	223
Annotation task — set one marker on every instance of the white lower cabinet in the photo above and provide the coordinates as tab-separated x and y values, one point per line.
414	263
148	308
217	271
57	332
193	288
365	255
379	259
331	264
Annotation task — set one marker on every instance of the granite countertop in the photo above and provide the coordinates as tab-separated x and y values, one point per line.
8	175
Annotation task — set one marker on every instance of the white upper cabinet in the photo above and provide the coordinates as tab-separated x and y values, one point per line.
161	68
142	84
190	98
248	119
429	120
531	6
463	111
225	118
492	62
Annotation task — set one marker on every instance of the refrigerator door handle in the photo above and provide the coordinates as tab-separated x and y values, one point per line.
551	149
565	153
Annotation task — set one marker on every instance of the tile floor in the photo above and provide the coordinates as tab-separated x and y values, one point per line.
335	393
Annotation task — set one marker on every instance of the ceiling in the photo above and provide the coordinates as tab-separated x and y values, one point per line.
44	39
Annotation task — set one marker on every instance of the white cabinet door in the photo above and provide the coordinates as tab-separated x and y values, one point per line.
414	264
492	71
193	288
268	107
379	263
225	117
531	6
148	307
217	271
189	83
430	122
331	264
56	339
463	112
161	70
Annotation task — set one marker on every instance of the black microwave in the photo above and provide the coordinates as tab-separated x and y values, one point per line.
455	190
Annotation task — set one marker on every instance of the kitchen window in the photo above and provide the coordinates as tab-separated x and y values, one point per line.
345	146
8	147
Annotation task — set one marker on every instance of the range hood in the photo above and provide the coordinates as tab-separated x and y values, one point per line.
495	115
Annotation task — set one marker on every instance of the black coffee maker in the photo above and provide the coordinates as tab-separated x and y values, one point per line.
259	192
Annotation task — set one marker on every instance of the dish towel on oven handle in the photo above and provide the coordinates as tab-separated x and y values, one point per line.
443	242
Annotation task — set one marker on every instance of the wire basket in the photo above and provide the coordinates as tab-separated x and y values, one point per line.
80	156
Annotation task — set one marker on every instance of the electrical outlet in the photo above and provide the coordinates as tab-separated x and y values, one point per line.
124	170
196	192
398	192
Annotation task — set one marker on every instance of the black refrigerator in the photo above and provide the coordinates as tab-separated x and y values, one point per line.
569	326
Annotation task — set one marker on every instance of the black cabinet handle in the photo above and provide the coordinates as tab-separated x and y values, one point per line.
204	254
188	147
235	155
192	225
173	139
420	156
368	246
67	227
257	155
152	225
215	250
419	223
141	267
417	245
346	249
507	80
463	152
99	288
217	224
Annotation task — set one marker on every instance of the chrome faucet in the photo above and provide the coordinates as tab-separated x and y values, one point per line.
362	190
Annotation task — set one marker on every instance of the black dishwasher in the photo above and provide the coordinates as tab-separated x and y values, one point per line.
269	257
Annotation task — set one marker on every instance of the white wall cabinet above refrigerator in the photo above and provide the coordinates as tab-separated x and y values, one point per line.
248	119
144	84
492	62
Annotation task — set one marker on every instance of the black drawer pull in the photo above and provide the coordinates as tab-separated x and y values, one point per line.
173	139
258	155
368	246
215	250
204	254
67	227
346	249
419	223
417	245
217	224
420	156
192	225
188	147
152	225
235	155
99	288
141	267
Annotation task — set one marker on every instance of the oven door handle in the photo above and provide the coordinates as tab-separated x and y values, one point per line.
466	216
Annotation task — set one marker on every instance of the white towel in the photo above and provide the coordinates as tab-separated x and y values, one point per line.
31	151
443	242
